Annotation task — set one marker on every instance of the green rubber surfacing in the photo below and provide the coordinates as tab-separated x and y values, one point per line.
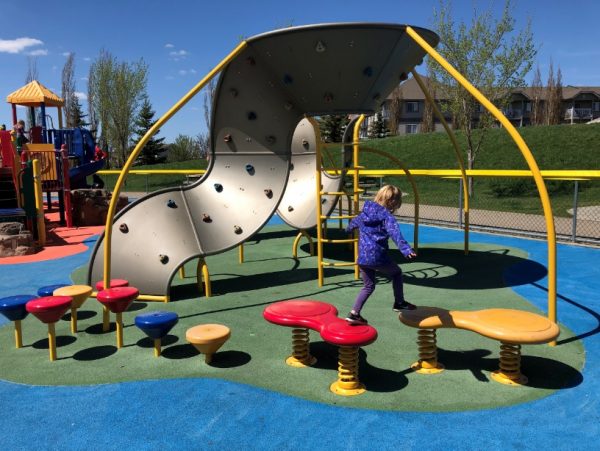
256	351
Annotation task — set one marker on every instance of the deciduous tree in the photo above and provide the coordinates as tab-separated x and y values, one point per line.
492	55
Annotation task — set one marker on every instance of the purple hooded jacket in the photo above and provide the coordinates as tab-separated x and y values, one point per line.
376	225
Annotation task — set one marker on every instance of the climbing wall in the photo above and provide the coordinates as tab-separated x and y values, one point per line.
261	97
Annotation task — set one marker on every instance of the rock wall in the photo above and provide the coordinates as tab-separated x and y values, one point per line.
15	239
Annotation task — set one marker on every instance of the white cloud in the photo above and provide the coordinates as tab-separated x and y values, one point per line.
182	72
38	52
66	54
169	77
87	58
178	53
81	96
18	45
169	46
194	108
84	79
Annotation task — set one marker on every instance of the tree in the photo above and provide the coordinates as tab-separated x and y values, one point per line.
31	75
117	91
68	90
537	106
154	148
332	127
77	115
395	110
492	55
184	148
427	124
377	127
554	97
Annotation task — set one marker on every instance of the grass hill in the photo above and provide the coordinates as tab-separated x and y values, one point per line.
554	147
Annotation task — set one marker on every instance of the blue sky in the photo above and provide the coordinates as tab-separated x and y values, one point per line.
181	40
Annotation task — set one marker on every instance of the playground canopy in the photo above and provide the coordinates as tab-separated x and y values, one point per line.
35	94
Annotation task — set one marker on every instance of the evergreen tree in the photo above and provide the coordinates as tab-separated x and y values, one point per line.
332	127
151	153
378	127
77	116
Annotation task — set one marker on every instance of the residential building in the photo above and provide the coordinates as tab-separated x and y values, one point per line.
579	104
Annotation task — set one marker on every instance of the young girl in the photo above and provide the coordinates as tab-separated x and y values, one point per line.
376	225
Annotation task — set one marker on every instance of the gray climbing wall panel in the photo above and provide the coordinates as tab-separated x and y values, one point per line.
261	97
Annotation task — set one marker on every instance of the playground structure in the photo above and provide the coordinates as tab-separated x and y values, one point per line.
268	84
66	156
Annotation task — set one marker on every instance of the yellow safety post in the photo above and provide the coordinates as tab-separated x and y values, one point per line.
456	147
241	253
119	324
537	176
52	341
18	334
140	145
202	273
157	349
39	202
302	233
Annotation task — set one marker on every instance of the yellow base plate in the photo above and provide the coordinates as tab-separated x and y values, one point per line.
499	376
418	368
293	361
335	388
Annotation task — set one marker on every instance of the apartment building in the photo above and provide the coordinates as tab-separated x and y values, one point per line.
579	104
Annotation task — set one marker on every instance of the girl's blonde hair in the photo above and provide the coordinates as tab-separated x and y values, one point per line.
389	197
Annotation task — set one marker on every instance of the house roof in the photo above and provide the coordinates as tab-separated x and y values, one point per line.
34	94
410	90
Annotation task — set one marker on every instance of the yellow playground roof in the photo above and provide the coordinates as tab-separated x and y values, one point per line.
34	94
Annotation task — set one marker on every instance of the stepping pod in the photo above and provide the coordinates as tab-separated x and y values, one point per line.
13	308
114	283
118	300
79	293
49	310
156	325
208	338
48	290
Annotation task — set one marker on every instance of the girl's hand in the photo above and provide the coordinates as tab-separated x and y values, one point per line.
411	255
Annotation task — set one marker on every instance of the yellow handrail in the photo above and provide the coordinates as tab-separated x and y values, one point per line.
537	176
140	145
355	196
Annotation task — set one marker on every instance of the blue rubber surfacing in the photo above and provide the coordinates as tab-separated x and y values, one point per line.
206	413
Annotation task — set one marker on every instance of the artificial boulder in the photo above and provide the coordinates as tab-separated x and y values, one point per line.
15	239
90	206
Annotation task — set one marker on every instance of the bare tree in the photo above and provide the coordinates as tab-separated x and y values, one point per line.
32	71
68	89
209	97
92	112
537	105
395	110
427	124
554	97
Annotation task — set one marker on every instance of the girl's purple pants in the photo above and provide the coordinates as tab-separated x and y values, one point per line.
391	270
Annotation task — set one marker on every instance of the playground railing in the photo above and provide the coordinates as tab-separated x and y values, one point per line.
503	201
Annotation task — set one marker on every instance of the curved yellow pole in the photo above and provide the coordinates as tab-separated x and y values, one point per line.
537	176
459	157
414	187
140	145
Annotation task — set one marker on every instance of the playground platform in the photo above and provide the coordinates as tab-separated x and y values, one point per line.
96	395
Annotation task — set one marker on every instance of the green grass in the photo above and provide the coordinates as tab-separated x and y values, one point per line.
554	147
443	276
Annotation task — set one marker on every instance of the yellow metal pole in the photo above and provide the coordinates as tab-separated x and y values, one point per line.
119	323
18	334
355	198
52	341
140	145
241	253
318	184
39	202
537	176
456	147
157	347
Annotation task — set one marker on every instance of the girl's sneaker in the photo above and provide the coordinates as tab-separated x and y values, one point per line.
355	318
403	306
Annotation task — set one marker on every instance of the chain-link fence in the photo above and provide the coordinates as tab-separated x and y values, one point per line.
510	206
